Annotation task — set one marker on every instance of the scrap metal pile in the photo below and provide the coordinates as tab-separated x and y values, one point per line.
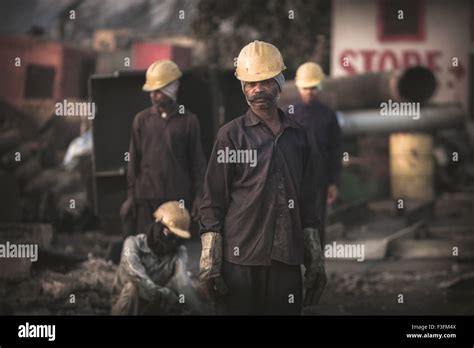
35	184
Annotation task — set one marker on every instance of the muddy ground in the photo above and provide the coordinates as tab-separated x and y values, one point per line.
428	286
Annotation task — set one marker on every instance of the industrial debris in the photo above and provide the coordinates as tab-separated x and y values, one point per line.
39	187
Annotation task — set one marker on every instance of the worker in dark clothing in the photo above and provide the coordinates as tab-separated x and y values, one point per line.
166	158
258	216
324	132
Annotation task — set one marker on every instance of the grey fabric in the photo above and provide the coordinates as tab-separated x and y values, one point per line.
171	90
279	79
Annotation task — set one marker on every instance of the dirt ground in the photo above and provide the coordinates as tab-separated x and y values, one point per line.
354	288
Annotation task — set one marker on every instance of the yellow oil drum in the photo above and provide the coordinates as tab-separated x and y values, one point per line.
411	166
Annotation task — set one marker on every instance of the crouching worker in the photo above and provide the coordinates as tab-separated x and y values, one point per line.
152	278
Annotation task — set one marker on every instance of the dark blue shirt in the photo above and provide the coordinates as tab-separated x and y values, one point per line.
323	128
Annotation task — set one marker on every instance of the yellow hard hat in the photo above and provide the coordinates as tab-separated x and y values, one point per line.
175	218
161	73
309	75
259	61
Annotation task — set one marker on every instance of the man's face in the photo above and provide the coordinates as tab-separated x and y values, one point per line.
172	239
262	94
164	241
308	95
160	99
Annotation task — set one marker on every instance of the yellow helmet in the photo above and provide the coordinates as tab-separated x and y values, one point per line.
259	61
161	73
175	218
309	75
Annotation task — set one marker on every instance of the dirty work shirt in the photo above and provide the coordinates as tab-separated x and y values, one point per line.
260	208
166	157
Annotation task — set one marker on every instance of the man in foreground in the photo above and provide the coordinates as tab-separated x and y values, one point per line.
258	218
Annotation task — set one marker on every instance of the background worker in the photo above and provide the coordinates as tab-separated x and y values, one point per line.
152	272
324	132
166	158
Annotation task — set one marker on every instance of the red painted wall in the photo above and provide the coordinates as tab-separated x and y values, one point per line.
65	60
145	53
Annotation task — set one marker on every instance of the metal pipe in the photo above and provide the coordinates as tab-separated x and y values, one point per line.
360	122
364	91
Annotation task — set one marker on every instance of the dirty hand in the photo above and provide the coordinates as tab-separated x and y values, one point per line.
195	208
315	275
210	266
168	298
332	194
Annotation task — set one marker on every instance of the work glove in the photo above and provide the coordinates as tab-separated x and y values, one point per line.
210	267
315	275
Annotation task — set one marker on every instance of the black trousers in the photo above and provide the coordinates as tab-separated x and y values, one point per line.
263	290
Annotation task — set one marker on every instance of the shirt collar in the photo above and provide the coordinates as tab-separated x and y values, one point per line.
154	111
251	119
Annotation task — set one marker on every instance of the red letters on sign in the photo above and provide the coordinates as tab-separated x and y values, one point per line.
388	61
411	58
369	60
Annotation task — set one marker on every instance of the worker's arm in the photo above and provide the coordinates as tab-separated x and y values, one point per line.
335	152
311	186
216	193
311	193
136	272
214	205
198	162
134	156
